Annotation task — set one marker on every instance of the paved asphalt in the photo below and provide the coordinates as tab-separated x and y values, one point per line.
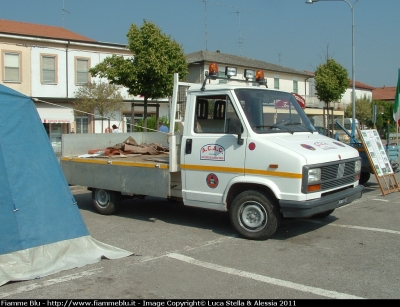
189	253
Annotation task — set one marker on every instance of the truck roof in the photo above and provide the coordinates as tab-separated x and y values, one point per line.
217	87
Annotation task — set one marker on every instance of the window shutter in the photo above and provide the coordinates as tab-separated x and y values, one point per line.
82	71
11	74
11	60
48	69
11	67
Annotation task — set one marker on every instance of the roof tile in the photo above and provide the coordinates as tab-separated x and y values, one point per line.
228	59
384	93
31	29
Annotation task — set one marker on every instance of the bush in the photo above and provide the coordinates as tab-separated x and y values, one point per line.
152	125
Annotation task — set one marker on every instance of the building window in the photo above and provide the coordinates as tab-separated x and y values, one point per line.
49	68
82	124
295	87
82	71
276	83
12	67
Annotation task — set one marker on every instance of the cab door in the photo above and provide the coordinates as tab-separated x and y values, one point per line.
211	157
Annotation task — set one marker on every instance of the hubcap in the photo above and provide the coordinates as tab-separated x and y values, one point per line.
252	216
102	198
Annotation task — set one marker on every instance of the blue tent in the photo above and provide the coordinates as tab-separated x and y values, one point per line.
41	229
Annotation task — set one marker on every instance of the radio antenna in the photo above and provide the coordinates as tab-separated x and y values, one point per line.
63	11
240	35
205	21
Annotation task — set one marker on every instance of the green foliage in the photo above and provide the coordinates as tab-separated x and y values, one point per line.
151	123
363	111
331	81
149	73
383	116
102	98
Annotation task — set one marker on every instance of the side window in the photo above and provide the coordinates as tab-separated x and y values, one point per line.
82	70
12	66
49	69
213	113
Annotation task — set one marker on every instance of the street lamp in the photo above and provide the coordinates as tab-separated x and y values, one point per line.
353	97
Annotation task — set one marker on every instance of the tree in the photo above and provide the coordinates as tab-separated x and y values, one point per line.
363	111
149	73
102	98
384	116
331	81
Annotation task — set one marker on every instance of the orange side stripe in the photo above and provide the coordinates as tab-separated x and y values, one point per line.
273	173
193	167
240	170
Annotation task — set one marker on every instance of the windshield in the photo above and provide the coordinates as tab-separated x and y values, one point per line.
270	111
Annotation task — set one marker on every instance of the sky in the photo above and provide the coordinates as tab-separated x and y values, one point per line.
289	33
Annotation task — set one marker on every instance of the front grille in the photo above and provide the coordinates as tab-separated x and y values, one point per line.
333	175
337	175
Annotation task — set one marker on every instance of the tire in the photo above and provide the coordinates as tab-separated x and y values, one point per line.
364	177
254	215
322	214
106	202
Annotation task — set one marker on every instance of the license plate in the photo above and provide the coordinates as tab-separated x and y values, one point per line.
342	201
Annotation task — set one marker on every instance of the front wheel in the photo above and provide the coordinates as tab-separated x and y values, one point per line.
106	202
254	215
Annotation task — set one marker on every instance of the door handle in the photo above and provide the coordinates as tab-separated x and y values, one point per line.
188	148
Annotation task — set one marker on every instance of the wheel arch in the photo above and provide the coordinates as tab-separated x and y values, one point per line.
239	187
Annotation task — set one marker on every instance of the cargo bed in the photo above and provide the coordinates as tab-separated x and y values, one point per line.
130	174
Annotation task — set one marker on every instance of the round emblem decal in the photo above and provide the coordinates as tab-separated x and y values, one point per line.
212	181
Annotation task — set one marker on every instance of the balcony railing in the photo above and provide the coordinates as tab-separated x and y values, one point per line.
314	102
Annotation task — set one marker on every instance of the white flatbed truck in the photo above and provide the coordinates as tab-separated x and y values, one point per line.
240	148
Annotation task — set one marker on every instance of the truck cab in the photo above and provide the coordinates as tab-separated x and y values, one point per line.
252	151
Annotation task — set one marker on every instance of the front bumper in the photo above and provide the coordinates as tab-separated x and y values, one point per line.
307	208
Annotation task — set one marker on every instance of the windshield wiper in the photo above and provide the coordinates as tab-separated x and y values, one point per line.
273	127
294	124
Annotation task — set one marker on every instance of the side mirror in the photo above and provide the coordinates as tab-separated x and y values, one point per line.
235	127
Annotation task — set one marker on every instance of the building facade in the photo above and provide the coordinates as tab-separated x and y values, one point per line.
48	64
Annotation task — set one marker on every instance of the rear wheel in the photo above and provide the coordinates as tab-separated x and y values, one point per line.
364	177
106	202
254	215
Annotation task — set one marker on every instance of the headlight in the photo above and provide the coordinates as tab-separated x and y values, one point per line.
357	166
314	175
